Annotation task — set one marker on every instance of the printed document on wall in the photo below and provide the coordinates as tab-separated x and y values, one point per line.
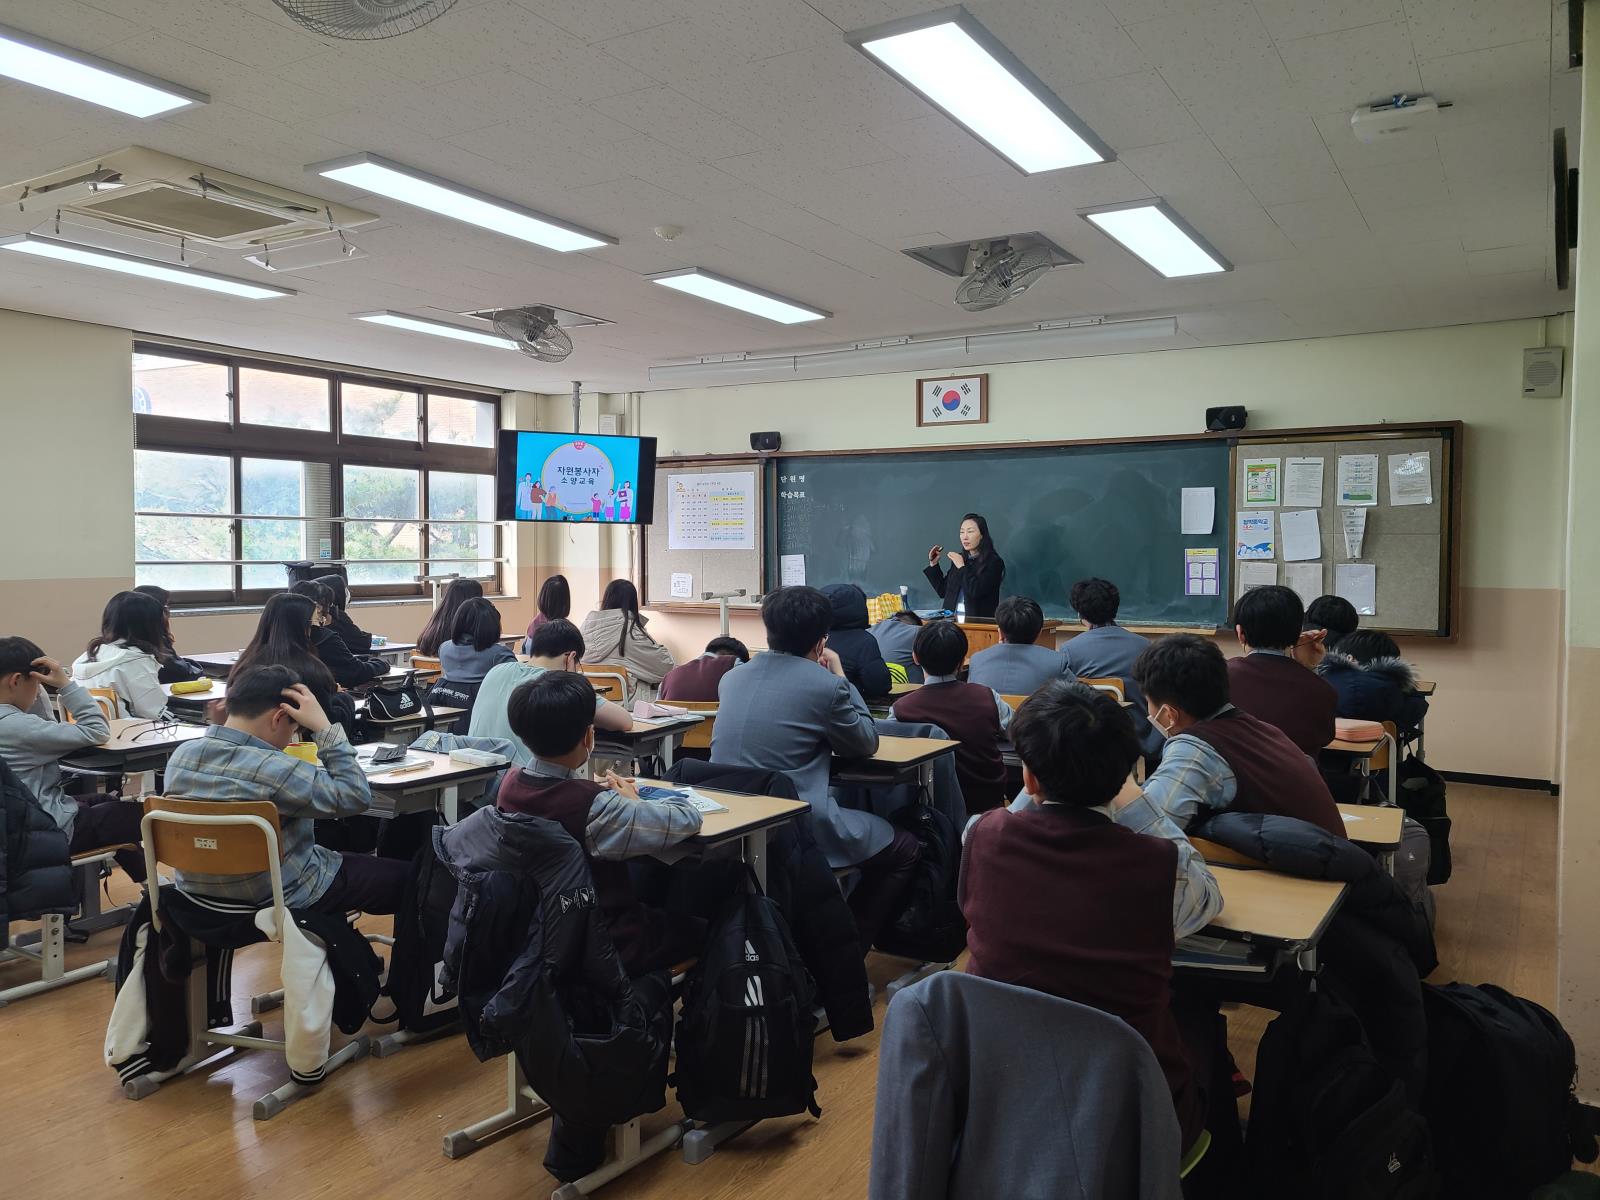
1199	510
682	585
1358	479
1302	535
1410	479
1302	482
792	570
1200	570
1254	538
1261	482
1357	583
1355	530
1257	574
714	511
1304	580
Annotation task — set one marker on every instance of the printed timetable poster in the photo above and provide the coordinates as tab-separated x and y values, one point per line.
715	511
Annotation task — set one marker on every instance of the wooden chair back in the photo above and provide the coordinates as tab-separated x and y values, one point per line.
610	680
1013	700
232	846
105	697
1381	756
423	662
1106	683
699	737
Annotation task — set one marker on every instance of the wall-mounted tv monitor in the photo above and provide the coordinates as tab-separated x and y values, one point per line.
575	477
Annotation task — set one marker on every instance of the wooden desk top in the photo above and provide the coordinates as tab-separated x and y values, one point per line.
1265	904
903	689
1362	749
902	752
746	813
1373	825
1425	687
440	711
441	771
401	647
643	731
139	734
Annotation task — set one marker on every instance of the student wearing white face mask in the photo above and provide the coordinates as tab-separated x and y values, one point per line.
1217	756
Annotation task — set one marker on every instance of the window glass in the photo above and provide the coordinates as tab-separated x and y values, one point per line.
453	500
178	387
459	422
271	487
284	399
379	412
177	552
385	532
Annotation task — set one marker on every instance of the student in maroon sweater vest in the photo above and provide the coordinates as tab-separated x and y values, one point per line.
1217	756
700	678
1071	895
1276	679
554	716
973	715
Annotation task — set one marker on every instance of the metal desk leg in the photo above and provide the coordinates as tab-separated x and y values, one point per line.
450	802
1394	769
522	1106
755	853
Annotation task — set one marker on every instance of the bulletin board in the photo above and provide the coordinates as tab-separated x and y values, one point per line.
709	570
1412	548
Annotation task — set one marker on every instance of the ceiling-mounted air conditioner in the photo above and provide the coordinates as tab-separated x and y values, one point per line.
152	192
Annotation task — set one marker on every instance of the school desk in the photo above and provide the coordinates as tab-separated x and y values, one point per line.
898	760
436	785
1364	754
659	736
1289	915
136	744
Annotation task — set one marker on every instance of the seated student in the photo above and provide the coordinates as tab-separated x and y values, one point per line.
699	678
437	631
174	667
355	639
1372	681
1335	615
556	646
553	715
895	635
1268	681
126	657
555	604
857	649
1105	650
474	648
1218	756
1018	666
1073	896
615	634
972	714
285	637
33	743
347	670
791	709
244	759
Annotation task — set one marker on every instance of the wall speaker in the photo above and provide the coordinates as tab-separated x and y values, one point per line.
1541	372
766	442
1230	417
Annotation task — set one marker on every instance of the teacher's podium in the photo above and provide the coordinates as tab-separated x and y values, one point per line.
983	634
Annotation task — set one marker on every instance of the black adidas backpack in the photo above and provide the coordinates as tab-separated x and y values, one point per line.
1327	1120
930	926
744	1040
1500	1093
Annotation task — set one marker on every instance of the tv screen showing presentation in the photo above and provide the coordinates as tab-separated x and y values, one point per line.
575	477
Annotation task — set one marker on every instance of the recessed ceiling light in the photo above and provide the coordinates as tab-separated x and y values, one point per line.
962	68
438	328
145	268
720	290
44	64
1163	239
411	186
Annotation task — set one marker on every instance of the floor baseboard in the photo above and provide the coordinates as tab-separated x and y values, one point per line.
1505	781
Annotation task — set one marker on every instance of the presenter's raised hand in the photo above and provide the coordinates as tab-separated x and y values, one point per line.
933	555
956	560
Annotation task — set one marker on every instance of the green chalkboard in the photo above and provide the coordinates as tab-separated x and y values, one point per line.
1057	514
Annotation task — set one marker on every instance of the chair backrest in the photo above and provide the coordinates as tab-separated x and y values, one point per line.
105	697
1106	683
1380	756
212	837
610	679
1014	700
699	737
423	662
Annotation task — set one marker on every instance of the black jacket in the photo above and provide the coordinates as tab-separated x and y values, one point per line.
356	639
857	649
348	670
530	957
801	883
1378	945
1384	689
35	868
978	583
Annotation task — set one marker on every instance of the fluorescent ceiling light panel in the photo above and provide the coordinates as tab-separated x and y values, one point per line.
145	268
1159	236
421	190
959	66
720	290
438	328
29	59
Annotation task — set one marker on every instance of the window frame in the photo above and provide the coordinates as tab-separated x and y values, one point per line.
333	447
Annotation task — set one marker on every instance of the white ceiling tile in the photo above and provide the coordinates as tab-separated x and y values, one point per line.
1494	147
538	150
1263	320
1190	174
1270	122
679	121
1410	223
595	20
1287	19
1308	220
1504	260
1129	111
1261	243
1062	43
681	49
1440	27
851	15
1440	261
1398	184
1130	11
70	23
229	31
1286	178
1337	72
1483	84
760	29
1213	55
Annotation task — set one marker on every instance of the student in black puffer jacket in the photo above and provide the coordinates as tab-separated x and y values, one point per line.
35	868
1374	683
858	650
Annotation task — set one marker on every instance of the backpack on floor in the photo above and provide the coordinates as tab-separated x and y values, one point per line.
1327	1120
1420	791
930	927
1412	862
417	957
1500	1095
744	1040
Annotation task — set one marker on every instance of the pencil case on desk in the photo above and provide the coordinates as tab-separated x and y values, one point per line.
191	686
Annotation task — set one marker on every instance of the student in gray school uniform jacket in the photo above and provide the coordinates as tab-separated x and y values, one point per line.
1106	651
1018	666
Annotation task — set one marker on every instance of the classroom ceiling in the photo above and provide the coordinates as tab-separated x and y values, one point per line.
792	162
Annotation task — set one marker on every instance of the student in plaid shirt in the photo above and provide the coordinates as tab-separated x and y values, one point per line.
244	759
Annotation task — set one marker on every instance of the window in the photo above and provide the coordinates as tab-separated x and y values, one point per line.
242	465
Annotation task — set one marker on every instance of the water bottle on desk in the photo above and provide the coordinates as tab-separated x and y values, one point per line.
961	611
905	598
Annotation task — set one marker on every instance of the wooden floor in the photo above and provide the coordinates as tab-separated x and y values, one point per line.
375	1128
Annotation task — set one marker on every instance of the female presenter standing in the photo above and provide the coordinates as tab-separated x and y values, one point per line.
975	573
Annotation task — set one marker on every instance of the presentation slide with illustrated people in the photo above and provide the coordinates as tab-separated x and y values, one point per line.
573	477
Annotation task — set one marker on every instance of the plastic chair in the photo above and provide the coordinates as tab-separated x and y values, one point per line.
221	838
105	697
698	738
610	680
50	953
